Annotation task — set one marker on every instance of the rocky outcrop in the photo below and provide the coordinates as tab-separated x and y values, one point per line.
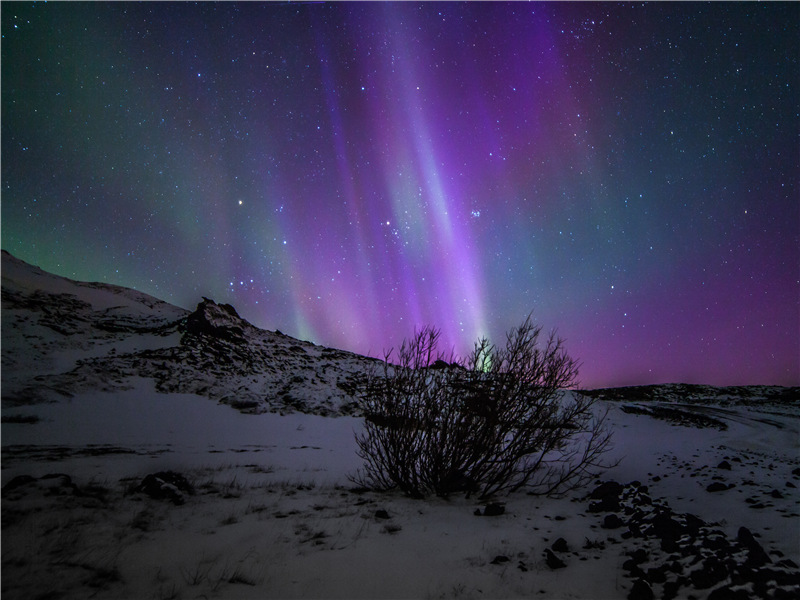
679	554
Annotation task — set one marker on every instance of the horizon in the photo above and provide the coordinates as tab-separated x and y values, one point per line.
350	172
380	355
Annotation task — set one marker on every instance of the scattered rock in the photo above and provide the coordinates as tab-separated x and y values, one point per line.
382	514
711	573
725	465
607	496
500	559
698	556
560	545
641	590
553	561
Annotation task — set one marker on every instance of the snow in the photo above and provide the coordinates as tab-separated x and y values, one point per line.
279	512
274	513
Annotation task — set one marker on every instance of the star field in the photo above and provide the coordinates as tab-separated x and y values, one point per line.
346	172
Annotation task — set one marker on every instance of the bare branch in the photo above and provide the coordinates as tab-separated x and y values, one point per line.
498	421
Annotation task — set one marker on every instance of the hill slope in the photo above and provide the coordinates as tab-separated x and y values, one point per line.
62	336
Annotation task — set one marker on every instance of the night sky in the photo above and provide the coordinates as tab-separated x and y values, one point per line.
346	172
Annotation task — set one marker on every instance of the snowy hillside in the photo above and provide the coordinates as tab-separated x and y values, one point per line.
62	336
120	479
751	395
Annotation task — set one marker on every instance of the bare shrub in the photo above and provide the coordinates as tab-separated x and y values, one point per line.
497	421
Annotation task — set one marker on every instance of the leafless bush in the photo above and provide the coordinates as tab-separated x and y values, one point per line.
497	421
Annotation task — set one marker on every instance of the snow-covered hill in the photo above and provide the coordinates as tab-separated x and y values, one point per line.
134	485
750	395
62	336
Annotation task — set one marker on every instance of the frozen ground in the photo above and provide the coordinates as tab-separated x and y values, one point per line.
128	472
273	514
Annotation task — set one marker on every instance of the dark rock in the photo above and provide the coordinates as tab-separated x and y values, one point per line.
382	514
779	576
776	494
789	484
796	472
671	589
633	568
746	538
553	561
605	490
608	504
215	320
657	574
560	545
499	559
17	482
693	523
676	567
57	484
756	555
726	593
669	545
711	573
641	590
639	556
612	521
596	544
494	509
665	527
440	364
724	465
165	485
717	486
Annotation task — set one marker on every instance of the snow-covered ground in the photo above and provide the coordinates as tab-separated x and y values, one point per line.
261	505
274	515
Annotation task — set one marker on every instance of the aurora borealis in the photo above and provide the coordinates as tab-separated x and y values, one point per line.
346	172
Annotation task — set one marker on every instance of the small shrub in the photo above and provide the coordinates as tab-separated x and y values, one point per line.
494	422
